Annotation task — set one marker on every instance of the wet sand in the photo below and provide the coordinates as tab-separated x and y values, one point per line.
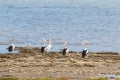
30	63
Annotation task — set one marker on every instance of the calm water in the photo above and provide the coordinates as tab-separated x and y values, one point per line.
101	27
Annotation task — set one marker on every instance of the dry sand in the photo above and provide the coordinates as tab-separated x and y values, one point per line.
30	63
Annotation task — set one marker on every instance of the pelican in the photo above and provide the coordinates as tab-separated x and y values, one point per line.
11	46
65	49
48	47
45	48
85	50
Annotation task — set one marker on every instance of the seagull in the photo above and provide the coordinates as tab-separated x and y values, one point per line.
11	46
85	50
65	49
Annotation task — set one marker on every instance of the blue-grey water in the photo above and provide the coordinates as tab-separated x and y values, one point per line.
100	26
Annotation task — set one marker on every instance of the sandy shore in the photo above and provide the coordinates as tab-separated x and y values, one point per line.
30	63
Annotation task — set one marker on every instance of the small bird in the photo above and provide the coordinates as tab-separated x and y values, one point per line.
11	46
65	49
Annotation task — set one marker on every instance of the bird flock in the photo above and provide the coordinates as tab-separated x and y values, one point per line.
47	44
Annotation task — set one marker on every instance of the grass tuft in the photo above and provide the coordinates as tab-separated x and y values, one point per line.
117	79
43	79
62	78
9	79
97	79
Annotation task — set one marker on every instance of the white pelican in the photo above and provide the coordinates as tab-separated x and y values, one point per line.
85	50
46	48
11	46
43	46
65	49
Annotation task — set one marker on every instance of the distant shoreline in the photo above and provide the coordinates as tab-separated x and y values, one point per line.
32	47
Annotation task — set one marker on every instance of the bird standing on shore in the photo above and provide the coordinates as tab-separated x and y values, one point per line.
11	46
85	50
48	47
65	49
44	48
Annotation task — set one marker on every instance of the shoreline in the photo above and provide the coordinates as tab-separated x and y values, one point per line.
30	63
